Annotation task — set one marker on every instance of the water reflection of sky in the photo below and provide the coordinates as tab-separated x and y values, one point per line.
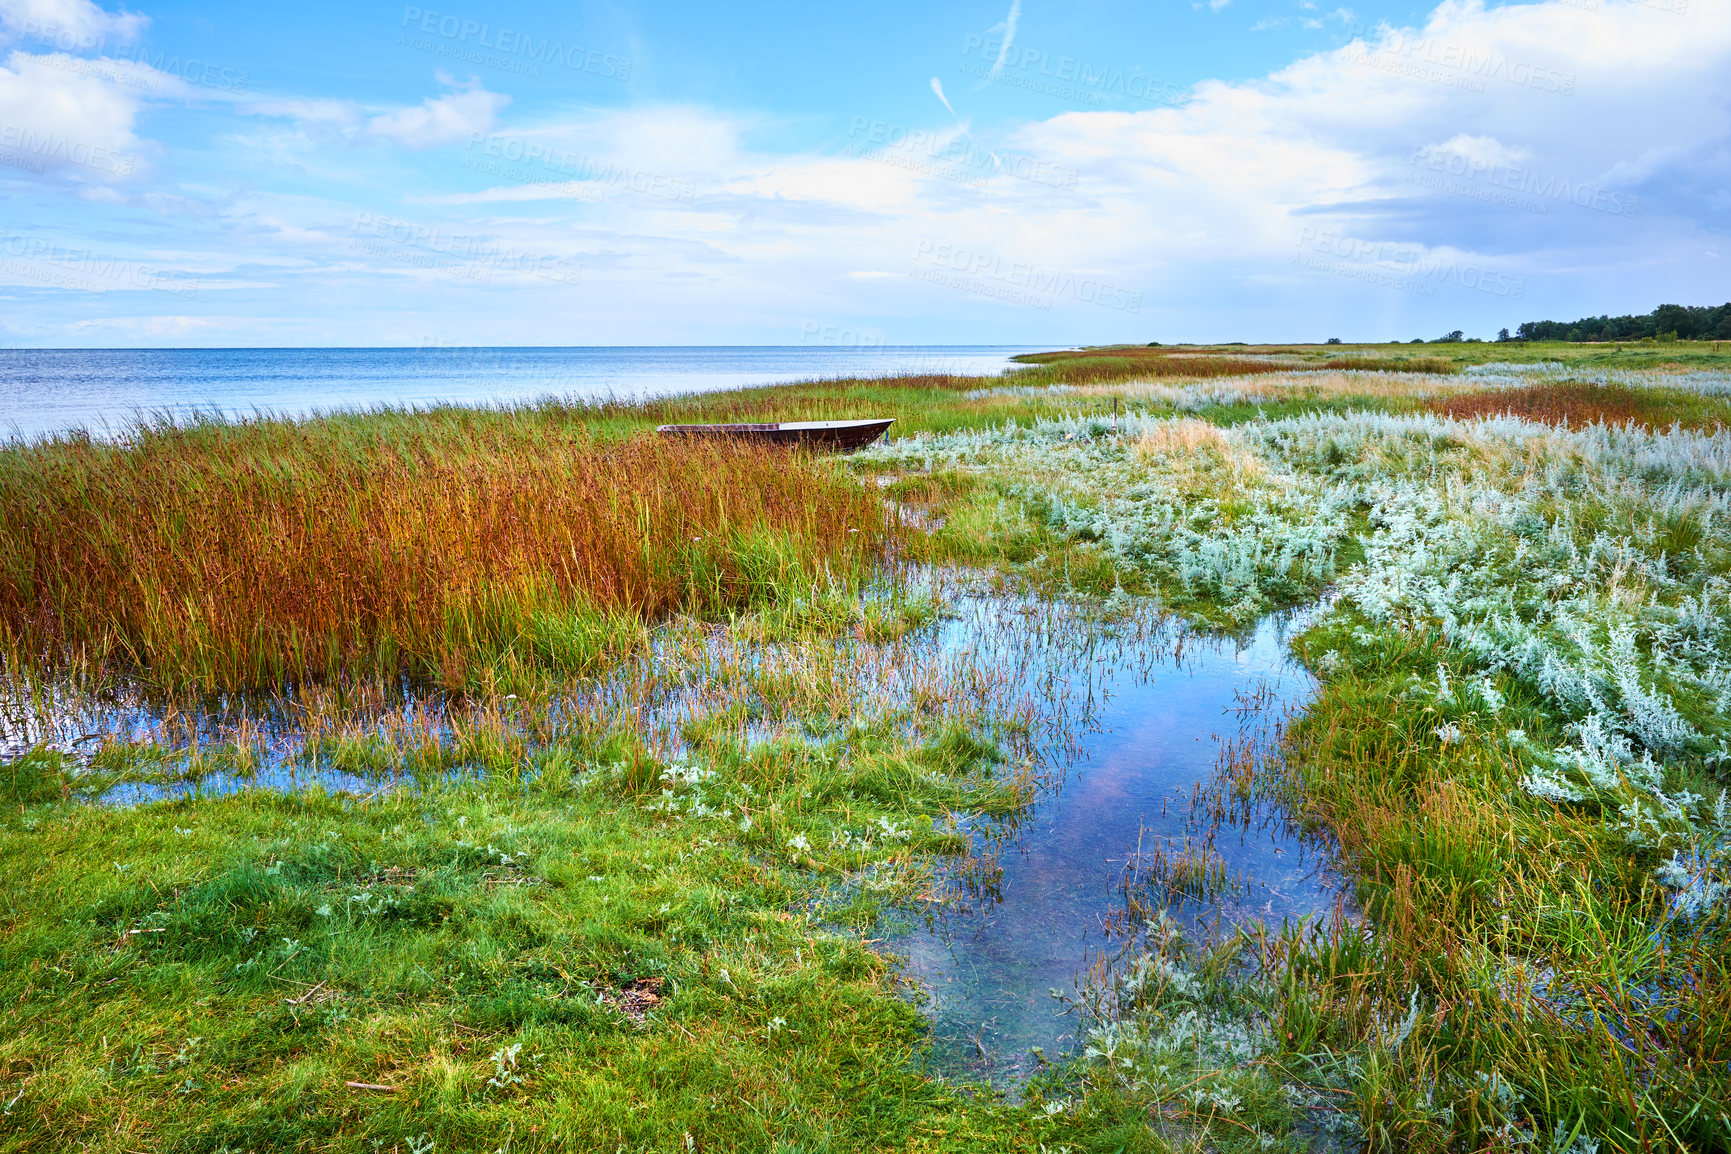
1126	715
1152	733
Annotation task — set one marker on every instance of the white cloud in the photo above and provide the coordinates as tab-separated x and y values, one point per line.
155	328
442	119
538	190
1482	150
1008	31
60	117
68	25
456	116
938	91
1241	170
668	141
341	114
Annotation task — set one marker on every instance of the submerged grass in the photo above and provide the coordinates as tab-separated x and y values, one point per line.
584	960
571	935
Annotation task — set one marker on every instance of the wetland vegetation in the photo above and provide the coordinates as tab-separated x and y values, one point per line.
507	780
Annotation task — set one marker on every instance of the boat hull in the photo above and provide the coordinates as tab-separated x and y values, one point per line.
821	436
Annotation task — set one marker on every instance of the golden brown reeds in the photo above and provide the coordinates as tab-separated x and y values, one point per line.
1104	366
1107	366
1577	404
242	555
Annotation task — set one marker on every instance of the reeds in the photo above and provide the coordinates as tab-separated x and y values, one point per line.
1295	390
1576	403
1108	366
245	555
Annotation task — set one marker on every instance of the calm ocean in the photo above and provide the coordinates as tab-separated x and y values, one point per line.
46	391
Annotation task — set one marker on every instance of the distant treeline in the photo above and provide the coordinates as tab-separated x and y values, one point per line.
1685	322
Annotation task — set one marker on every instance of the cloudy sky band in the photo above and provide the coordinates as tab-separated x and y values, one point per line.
710	192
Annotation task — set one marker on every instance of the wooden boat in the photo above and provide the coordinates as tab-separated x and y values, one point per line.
823	436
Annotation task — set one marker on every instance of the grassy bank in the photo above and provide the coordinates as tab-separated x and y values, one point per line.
621	893
554	957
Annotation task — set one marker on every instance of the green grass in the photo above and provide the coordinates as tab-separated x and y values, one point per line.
544	931
202	974
1477	890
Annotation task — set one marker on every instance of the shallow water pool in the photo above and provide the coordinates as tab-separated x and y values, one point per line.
1152	714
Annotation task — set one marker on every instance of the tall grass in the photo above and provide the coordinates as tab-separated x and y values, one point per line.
1110	365
242	555
1580	403
1096	365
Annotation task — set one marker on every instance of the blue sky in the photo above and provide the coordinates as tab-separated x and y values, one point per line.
1019	172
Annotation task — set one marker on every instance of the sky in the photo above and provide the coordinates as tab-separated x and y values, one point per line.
459	173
